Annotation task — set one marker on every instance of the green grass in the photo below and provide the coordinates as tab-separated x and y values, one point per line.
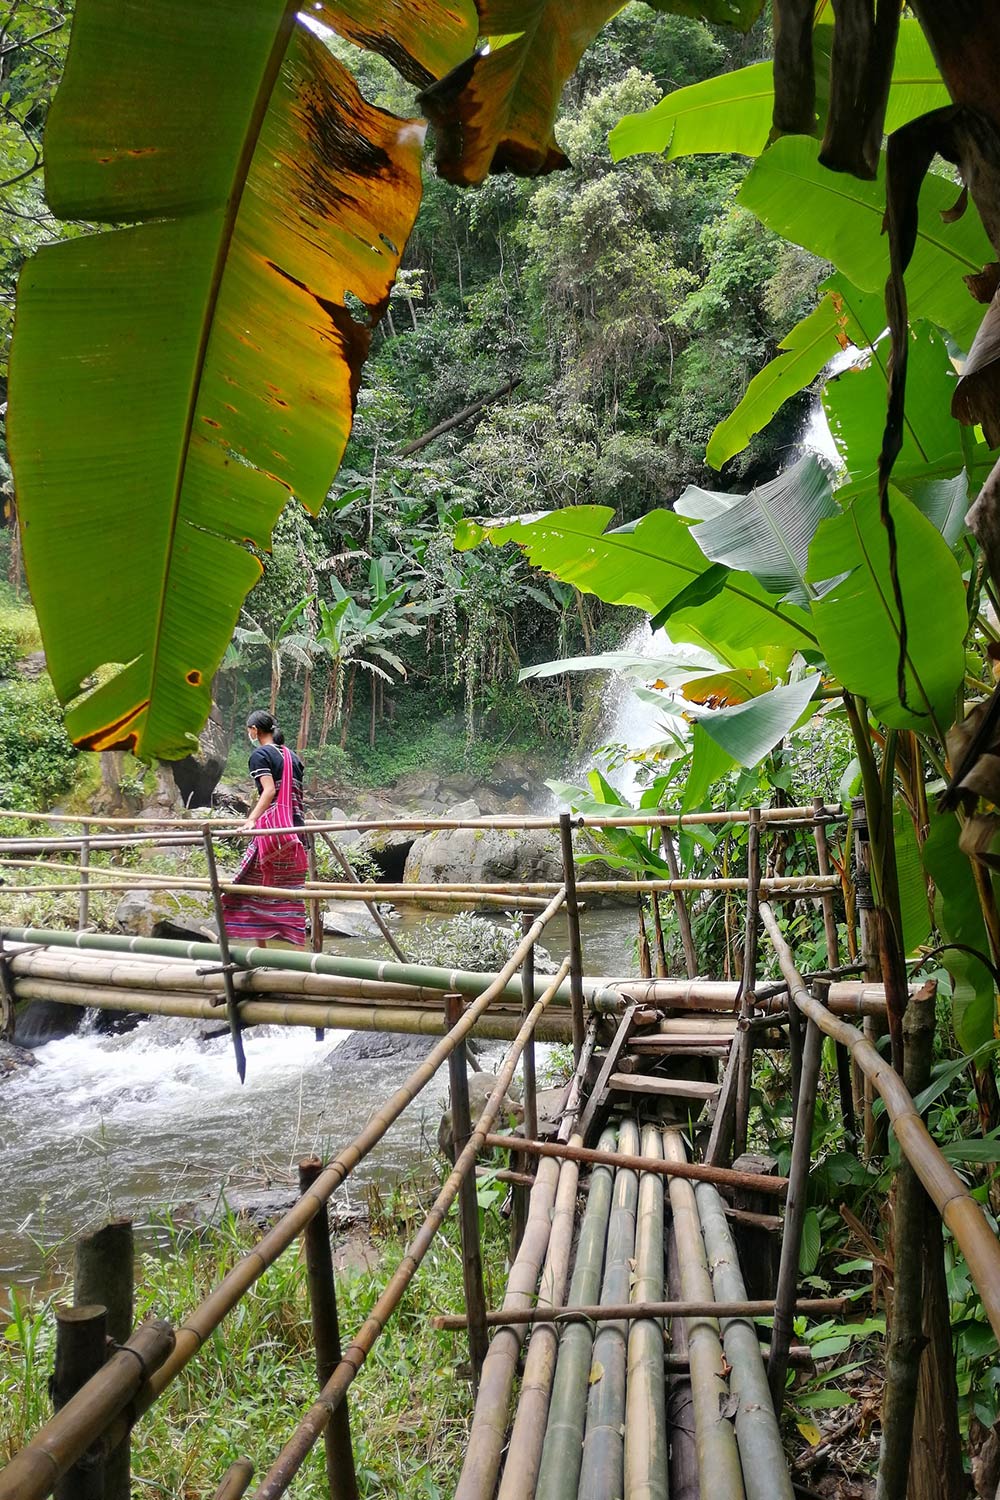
243	1394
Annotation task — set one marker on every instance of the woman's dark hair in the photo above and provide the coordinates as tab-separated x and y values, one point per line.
263	721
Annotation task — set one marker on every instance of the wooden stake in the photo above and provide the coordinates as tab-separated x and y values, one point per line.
845	1083
340	1476
468	1203
232	1004
84	909
81	1347
595	1106
104	1273
573	926
519	1198
795	1213
720	1140
236	1481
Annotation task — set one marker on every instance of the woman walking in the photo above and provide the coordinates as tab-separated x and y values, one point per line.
271	859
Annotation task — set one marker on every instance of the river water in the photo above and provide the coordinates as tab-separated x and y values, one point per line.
115	1126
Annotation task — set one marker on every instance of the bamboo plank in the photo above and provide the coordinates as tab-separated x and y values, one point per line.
663	1088
609	1312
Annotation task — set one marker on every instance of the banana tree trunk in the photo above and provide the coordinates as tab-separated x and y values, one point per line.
306	715
347	710
275	682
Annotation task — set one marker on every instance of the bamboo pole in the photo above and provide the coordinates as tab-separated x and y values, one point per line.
744	1054
373	910
81	1345
795	1213
236	1481
84	909
684	1483
646	1445
573	926
421	1020
432	896
670	1167
290	1459
602	1471
464	981
960	1212
340	1476
844	1080
524	1452
104	1272
601	1312
51	1453
805	815
528	1061
562	1452
718	1461
847	997
762	1458
232	1005
680	904
468	1202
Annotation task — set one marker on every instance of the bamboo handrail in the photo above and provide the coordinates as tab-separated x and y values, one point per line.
785	815
33	1472
959	1210
696	1171
288	1462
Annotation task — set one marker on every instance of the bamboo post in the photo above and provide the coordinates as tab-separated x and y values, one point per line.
646	1444
236	1480
573	927
104	1273
684	1483
680	904
602	1470
744	1067
762	1458
468	1203
528	1058
349	871
340	1476
865	902
81	1347
795	1212
718	1461
84	908
720	1140
562	1453
315	920
845	1083
232	1004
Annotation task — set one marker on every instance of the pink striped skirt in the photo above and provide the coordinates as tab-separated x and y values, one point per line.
251	918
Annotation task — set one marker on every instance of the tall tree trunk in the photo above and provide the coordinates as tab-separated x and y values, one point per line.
275	682
371	717
305	716
14	574
347	708
329	703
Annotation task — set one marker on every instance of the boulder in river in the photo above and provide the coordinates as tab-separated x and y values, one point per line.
14	1059
156	914
481	856
372	1046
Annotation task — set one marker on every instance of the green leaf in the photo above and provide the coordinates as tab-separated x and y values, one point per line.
733	111
809	1246
709	763
633	663
768	533
913	902
648	565
840	219
174	383
857	622
748	731
959	918
803	353
985	1151
855	403
945	503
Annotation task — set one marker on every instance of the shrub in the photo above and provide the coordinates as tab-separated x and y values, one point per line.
37	757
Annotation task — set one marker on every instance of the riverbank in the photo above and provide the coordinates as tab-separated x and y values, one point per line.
243	1394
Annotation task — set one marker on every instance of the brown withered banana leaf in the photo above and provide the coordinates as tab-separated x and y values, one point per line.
174	383
496	111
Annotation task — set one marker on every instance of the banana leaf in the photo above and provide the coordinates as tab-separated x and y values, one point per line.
174	383
768	532
496	112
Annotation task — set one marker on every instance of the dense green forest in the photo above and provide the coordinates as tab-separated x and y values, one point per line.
598	323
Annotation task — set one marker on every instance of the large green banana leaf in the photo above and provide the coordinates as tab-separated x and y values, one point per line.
174	383
733	111
651	564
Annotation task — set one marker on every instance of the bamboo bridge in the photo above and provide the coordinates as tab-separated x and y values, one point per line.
648	1245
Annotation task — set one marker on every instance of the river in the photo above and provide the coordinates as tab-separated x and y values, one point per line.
155	1119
